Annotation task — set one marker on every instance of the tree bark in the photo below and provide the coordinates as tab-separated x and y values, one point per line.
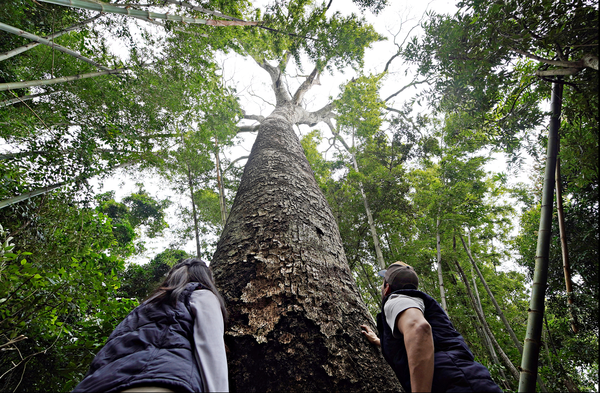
295	307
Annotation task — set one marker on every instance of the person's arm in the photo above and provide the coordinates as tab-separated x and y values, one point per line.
418	341
370	334
208	340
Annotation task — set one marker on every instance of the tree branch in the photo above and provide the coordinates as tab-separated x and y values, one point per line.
281	94
179	29
258	118
588	60
234	161
313	118
312	80
413	83
251	128
559	71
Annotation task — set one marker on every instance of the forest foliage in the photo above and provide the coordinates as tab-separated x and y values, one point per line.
417	163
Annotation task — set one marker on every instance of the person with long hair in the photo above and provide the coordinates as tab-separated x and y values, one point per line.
172	342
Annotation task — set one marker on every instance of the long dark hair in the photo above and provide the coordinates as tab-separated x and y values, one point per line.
184	272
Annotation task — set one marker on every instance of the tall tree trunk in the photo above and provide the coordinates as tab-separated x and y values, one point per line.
564	246
439	264
295	307
531	350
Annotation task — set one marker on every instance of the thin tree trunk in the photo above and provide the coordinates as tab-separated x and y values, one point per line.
564	247
196	231
43	82
531	350
109	8
191	187
509	365
280	264
371	222
21	49
44	190
28	97
220	185
439	265
29	195
486	339
511	332
52	44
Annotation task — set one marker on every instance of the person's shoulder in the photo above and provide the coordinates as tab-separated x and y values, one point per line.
400	297
203	295
404	301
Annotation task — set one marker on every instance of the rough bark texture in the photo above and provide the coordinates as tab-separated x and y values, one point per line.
295	307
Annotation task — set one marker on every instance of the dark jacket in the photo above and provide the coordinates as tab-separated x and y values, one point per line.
153	346
455	369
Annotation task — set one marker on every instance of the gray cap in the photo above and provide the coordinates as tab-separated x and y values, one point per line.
400	276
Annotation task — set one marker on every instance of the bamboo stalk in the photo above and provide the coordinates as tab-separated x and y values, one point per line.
511	332
531	350
16	100
29	195
439	265
52	44
109	8
31	45
505	359
43	82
